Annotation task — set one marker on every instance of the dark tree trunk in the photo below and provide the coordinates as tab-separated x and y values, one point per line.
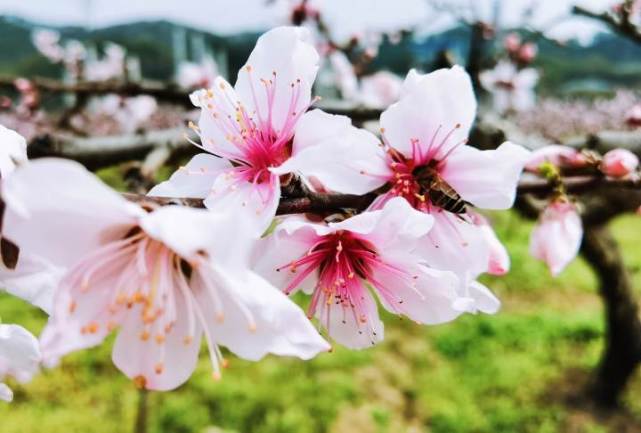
623	329
476	52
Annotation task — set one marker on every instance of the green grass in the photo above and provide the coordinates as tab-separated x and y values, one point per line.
478	374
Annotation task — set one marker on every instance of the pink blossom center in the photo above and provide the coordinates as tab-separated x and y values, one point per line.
346	263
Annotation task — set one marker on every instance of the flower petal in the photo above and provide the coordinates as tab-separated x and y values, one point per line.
163	365
19	353
437	109
486	178
341	157
194	180
256	201
348	330
5	393
14	150
257	319
58	202
288	52
34	280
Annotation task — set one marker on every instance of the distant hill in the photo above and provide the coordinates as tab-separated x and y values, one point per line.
610	59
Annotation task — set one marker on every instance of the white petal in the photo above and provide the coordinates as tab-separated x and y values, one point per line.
163	366
287	51
5	393
13	150
258	319
348	330
341	157
190	232
455	245
486	178
437	109
256	202
428	297
58	202
34	280
19	352
193	180
396	225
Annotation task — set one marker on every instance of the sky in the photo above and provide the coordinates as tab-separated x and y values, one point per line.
231	16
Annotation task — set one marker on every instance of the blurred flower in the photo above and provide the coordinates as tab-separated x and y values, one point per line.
111	66
427	162
512	42
511	89
527	53
19	356
380	90
619	163
201	75
13	151
47	42
556	238
340	262
254	138
166	277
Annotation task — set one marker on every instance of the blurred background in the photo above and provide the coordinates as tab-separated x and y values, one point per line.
554	71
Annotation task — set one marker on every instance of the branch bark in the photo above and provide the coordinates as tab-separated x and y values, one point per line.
619	24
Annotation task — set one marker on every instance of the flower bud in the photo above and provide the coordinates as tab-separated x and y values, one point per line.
619	163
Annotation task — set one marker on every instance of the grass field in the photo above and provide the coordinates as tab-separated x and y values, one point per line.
511	372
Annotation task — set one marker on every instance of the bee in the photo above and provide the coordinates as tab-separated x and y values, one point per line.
440	193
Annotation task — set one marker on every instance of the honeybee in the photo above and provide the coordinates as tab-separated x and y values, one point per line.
440	192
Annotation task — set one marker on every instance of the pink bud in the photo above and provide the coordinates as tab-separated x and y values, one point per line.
527	52
619	163
512	42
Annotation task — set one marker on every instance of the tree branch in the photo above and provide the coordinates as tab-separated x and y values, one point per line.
619	24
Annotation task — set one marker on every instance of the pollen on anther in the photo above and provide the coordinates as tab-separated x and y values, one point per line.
188	340
159	368
160	339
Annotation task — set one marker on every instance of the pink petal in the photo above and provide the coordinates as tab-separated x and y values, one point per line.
287	51
166	365
343	158
556	238
254	319
437	109
231	193
58	202
619	163
486	178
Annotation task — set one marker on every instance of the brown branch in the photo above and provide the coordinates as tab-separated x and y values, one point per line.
620	24
99	152
162	91
320	203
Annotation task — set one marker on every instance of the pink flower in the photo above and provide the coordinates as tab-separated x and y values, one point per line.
425	136
527	52
260	130
19	357
499	263
556	238
619	163
111	66
511	89
512	42
166	277
192	75
339	263
47	42
381	89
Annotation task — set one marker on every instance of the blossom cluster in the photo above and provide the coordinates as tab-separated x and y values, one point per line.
169	277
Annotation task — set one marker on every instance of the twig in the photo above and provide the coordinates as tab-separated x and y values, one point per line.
619	24
321	203
161	91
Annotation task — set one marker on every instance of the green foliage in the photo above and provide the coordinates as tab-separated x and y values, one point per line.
502	373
